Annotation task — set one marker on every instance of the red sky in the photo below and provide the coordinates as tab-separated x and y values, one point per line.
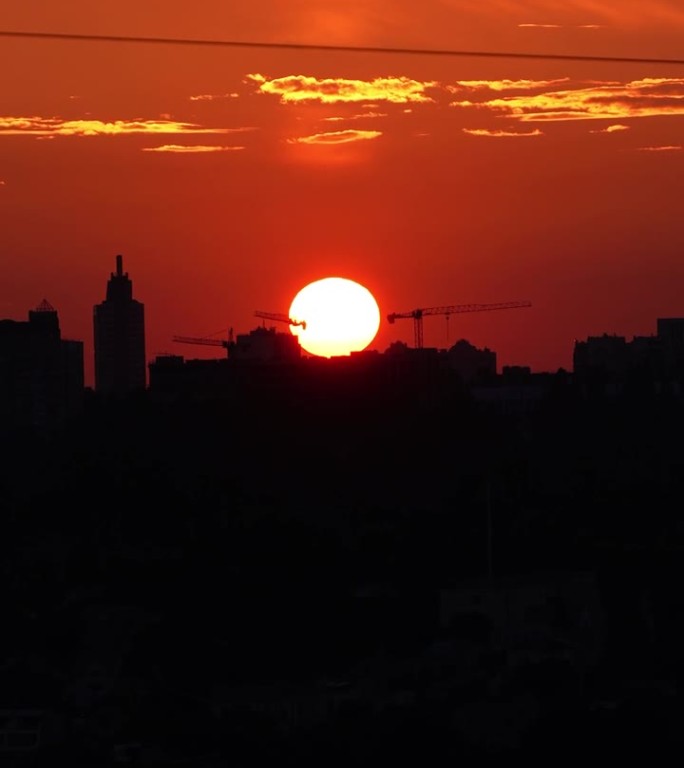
231	177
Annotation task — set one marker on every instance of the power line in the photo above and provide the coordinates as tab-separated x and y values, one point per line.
67	36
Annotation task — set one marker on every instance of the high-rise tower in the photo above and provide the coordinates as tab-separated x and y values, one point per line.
119	326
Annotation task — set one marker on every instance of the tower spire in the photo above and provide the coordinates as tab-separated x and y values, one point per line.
119	328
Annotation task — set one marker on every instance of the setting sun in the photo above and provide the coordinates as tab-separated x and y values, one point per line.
341	317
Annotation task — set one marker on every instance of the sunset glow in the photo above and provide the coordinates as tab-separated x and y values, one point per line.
231	175
341	317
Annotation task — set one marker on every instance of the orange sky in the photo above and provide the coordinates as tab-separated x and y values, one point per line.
229	178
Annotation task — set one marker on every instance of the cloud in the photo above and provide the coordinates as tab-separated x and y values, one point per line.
336	137
505	85
190	148
649	97
53	126
2	183
612	129
301	89
361	116
214	96
616	13
660	149
560	26
501	134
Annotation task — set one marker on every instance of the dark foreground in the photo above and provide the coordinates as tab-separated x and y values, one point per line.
336	581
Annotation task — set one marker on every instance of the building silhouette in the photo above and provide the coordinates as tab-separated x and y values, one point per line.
266	345
471	363
610	363
261	359
41	374
119	336
266	369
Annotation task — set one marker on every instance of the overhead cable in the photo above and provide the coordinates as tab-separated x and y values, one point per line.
68	36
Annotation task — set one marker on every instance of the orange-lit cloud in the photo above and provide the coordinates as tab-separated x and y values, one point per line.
361	116
52	126
214	96
505	85
336	137
612	129
301	88
660	149
500	134
560	26
616	13
600	101
190	148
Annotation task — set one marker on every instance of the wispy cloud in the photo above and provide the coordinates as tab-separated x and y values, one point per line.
505	85
53	126
214	96
600	101
336	137
301	88
672	148
617	14
361	116
560	26
501	134
185	149
612	129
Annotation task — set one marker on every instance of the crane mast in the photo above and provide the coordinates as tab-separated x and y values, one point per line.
419	314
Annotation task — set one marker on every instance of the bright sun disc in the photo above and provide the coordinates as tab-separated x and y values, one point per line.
341	317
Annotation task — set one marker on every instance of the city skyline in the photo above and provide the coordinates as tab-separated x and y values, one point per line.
231	178
215	346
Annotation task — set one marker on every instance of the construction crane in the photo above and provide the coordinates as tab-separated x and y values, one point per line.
419	314
280	318
227	344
